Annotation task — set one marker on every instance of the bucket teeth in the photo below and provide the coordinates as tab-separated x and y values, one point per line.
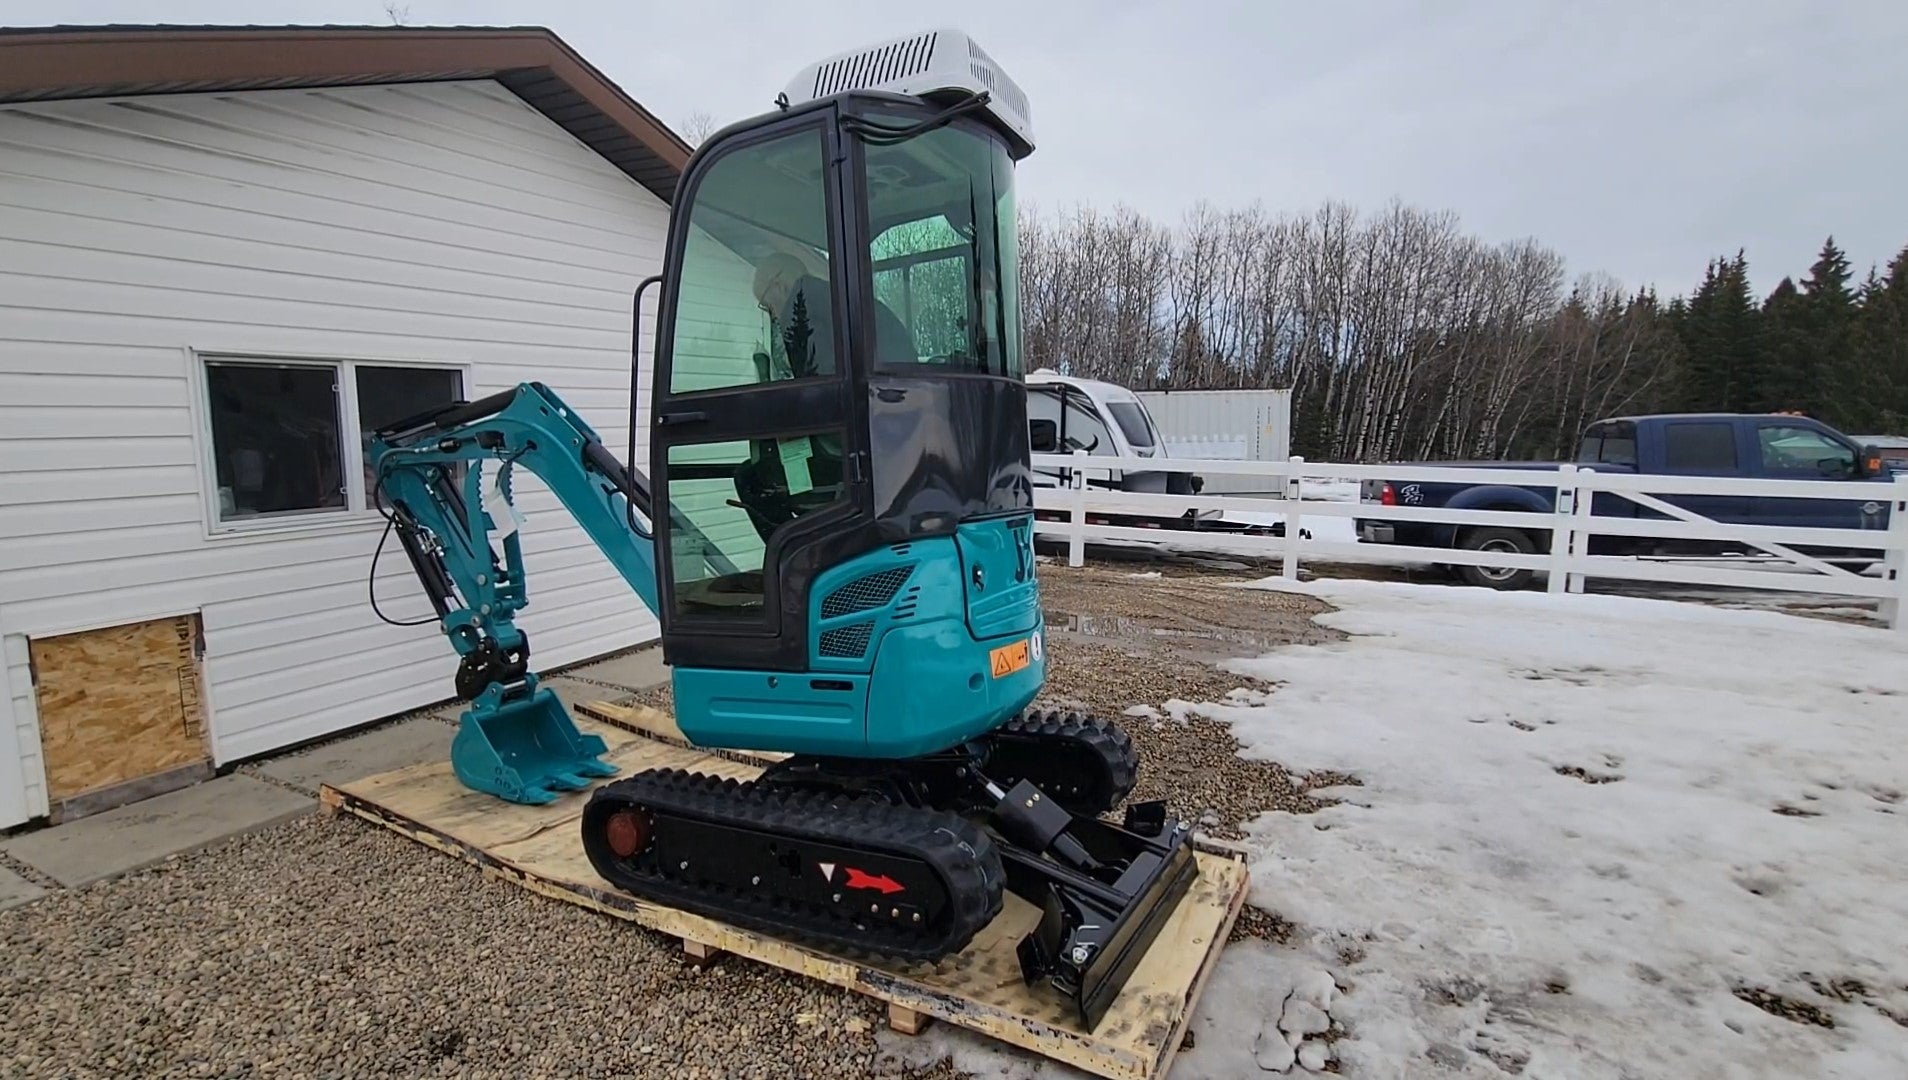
565	781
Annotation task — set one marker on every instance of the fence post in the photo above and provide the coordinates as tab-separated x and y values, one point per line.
1563	529
1895	559
1076	512
1294	497
1581	526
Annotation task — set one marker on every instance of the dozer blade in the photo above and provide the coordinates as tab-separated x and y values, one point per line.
1105	892
526	750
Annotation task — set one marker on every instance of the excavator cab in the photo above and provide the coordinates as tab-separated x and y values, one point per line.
836	536
840	422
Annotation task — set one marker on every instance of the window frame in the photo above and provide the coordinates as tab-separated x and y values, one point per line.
357	513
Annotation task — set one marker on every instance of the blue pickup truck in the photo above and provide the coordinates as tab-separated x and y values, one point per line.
1689	444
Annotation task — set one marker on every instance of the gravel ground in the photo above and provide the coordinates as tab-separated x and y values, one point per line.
1120	642
333	948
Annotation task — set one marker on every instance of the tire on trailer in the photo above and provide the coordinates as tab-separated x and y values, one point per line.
1490	538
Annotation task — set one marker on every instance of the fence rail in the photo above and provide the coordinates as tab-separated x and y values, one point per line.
1566	532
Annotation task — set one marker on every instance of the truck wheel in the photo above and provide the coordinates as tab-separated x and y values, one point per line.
1496	540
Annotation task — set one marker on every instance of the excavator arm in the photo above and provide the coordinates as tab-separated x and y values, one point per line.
444	479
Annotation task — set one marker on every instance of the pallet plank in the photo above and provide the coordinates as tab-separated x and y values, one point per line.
538	848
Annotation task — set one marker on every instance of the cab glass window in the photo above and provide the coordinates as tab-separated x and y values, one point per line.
1805	452
944	261
1608	444
1699	447
755	303
1132	420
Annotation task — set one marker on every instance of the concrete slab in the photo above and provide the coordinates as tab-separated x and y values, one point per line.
391	746
639	670
16	890
130	837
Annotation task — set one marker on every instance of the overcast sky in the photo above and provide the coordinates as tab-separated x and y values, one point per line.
1637	138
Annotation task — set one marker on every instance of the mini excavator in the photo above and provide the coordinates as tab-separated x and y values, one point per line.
837	541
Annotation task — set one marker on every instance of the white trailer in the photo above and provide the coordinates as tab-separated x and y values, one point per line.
1067	414
1224	425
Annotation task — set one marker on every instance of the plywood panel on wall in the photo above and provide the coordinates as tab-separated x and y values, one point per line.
118	704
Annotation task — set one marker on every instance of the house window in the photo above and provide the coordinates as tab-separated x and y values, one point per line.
288	437
387	395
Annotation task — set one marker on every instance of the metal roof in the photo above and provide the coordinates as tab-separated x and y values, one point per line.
56	62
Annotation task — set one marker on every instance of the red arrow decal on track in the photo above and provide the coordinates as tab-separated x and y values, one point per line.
858	879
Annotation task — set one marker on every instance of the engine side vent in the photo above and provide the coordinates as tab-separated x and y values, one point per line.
886	63
846	642
865	593
905	609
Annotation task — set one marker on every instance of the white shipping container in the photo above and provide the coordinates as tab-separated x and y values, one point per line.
1225	425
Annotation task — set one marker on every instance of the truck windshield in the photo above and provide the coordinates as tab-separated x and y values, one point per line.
944	263
1132	421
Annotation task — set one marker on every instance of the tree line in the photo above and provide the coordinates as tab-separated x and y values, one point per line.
1403	336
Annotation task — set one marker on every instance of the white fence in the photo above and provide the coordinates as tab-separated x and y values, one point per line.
1566	532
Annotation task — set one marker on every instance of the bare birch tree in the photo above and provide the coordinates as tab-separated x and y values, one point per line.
1399	335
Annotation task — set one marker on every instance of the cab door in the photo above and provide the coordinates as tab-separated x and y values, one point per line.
1702	447
752	442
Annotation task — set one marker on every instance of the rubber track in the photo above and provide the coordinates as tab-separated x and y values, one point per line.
960	853
1119	762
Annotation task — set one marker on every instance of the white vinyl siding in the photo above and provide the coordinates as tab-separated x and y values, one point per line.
445	224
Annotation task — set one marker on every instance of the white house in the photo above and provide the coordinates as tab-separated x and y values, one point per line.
224	255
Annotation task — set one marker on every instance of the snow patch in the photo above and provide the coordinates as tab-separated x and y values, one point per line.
1566	856
1260	1014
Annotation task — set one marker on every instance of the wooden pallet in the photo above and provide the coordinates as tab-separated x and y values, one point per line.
538	847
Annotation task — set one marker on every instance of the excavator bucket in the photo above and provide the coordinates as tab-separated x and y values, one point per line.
526	749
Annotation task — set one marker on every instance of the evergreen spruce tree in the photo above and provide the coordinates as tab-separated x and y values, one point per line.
1691	318
1836	393
1721	333
1881	349
1788	364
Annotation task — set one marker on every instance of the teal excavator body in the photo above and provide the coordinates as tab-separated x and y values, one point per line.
914	646
835	531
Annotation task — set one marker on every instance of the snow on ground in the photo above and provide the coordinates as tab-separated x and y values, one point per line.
1586	824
